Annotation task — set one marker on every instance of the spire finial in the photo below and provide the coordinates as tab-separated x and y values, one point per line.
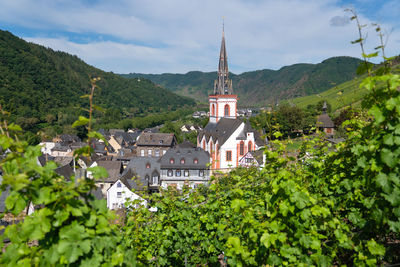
223	24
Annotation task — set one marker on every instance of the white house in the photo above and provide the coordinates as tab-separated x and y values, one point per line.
226	137
119	193
47	146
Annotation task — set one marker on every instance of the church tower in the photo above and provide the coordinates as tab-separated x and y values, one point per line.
222	102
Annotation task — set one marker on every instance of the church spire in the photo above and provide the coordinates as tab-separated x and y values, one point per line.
223	85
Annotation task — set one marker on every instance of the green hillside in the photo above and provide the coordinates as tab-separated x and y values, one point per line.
37	83
263	86
342	95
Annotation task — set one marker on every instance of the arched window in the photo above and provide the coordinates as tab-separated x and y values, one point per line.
250	146
155	177
182	161
213	109
241	148
226	110
171	160
195	161
204	144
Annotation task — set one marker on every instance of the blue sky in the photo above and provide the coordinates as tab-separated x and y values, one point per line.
177	36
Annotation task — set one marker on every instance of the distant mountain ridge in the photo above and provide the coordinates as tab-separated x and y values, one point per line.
36	81
263	86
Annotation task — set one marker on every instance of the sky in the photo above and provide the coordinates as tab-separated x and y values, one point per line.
177	36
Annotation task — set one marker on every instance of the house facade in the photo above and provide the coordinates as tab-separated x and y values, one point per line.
119	193
182	166
226	137
253	159
154	144
143	173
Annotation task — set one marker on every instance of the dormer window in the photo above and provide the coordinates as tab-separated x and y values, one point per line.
195	161
182	161
171	160
161	141
148	166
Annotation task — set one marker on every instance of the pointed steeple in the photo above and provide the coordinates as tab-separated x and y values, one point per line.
324	108
223	85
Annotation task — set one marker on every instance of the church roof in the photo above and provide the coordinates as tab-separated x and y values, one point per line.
325	121
225	127
221	130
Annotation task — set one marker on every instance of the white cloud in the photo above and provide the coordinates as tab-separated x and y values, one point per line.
179	36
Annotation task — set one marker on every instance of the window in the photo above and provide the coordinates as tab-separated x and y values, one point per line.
164	151
201	173
213	110
119	184
147	177
226	110
142	152
195	161
161	141
182	161
204	144
250	146
157	152
171	160
186	173
249	160
148	166
241	148
119	194
228	155
169	173
155	178
178	173
149	152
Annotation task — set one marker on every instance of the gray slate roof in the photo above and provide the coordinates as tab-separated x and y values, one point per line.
221	130
188	155
156	139
324	121
137	169
114	169
225	127
66	171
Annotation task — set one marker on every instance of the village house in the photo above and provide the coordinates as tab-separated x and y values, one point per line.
189	128
253	159
119	193
143	173
114	170
325	123
226	137
185	166
154	144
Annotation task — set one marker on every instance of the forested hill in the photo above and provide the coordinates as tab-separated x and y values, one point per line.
263	86
36	81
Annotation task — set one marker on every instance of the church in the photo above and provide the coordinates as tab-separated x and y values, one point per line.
226	137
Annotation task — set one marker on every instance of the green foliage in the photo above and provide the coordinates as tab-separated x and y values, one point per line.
68	226
39	85
330	206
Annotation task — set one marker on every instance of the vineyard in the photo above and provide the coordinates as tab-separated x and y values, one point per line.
329	206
